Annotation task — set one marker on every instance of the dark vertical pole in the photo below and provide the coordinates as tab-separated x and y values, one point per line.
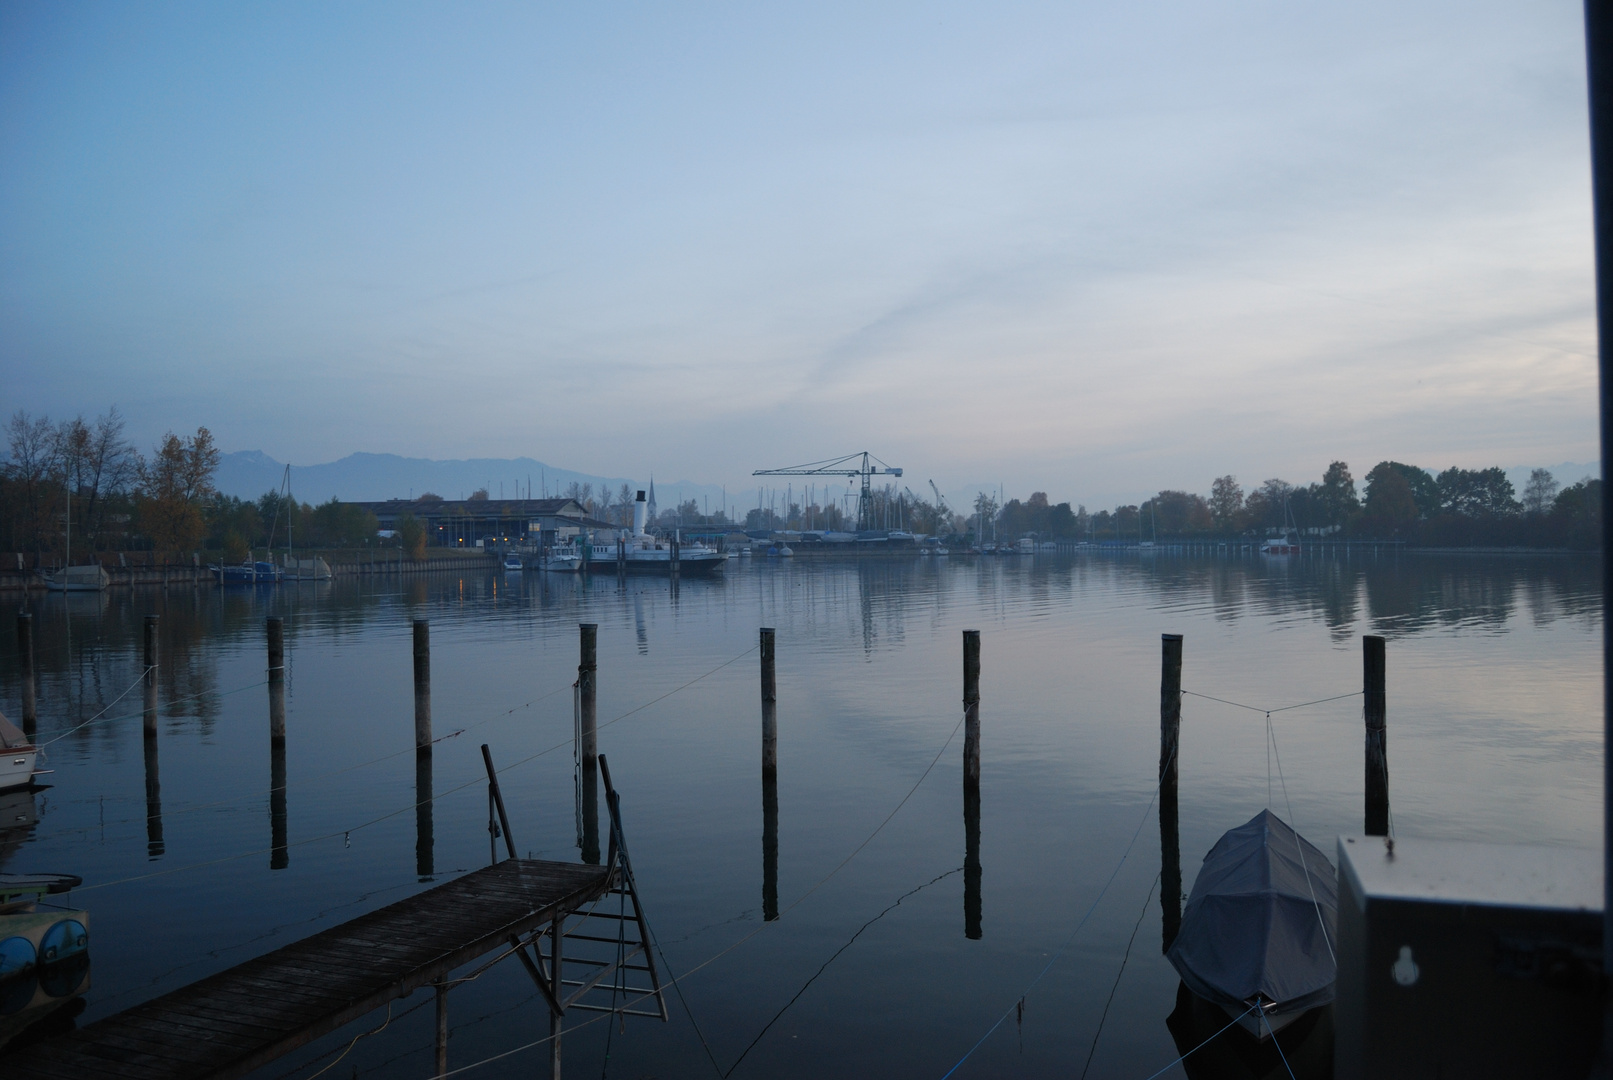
587	694
25	657
556	991
971	863
1377	776
971	709
1599	77
675	554
154	842
277	679
1170	843
769	704
769	779
422	684
971	785
151	677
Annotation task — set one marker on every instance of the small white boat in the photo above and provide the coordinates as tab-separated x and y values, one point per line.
1280	545
512	562
561	560
77	579
19	756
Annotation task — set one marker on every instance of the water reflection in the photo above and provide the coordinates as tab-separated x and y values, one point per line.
1305	1050
424	841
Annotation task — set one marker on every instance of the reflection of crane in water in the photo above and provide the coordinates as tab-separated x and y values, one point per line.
867	468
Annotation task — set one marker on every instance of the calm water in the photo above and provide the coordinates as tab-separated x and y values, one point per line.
1494	732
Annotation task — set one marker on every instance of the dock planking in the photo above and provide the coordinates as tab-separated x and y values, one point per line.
231	1023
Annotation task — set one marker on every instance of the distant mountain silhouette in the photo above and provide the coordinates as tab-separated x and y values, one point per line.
366	477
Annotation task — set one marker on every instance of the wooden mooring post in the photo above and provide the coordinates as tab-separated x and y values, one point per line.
971	709
1170	843
422	685
971	786
588	738
150	678
154	842
277	678
25	661
1376	710
279	849
769	779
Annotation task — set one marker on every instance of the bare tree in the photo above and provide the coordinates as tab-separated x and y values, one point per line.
100	464
34	469
1540	492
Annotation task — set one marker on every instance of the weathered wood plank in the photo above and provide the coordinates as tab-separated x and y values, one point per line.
234	1021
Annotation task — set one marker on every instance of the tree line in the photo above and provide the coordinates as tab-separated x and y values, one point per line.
116	498
1456	508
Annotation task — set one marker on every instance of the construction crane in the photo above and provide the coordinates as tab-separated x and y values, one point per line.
863	465
940	503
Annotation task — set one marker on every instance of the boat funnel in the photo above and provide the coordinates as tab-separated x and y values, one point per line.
638	515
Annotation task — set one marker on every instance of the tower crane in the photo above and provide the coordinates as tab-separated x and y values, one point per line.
863	465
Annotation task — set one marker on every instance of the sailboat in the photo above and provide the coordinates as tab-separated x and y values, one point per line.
315	569
70	578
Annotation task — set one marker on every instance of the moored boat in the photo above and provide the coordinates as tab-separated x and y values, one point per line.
20	756
512	562
1257	933
643	553
89	578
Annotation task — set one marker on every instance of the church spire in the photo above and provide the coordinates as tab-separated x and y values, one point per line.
651	507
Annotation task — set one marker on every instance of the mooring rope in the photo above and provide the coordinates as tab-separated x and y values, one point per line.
1060	952
675	981
1201	1045
138	680
347	832
1299	845
1123	959
1268	712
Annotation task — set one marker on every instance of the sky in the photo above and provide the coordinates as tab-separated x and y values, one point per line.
1089	248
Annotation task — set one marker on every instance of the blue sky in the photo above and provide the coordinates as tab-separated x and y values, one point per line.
1086	248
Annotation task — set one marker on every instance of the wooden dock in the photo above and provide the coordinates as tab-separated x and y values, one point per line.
230	1023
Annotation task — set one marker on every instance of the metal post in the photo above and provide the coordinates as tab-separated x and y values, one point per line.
1170	844
971	709
25	657
151	677
557	931
422	684
1377	771
588	739
498	800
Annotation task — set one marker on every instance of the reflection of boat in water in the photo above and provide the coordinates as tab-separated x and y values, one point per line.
1212	1052
19	757
1257	933
247	573
44	954
89	578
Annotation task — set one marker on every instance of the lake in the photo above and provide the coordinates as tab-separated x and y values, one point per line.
1494	732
